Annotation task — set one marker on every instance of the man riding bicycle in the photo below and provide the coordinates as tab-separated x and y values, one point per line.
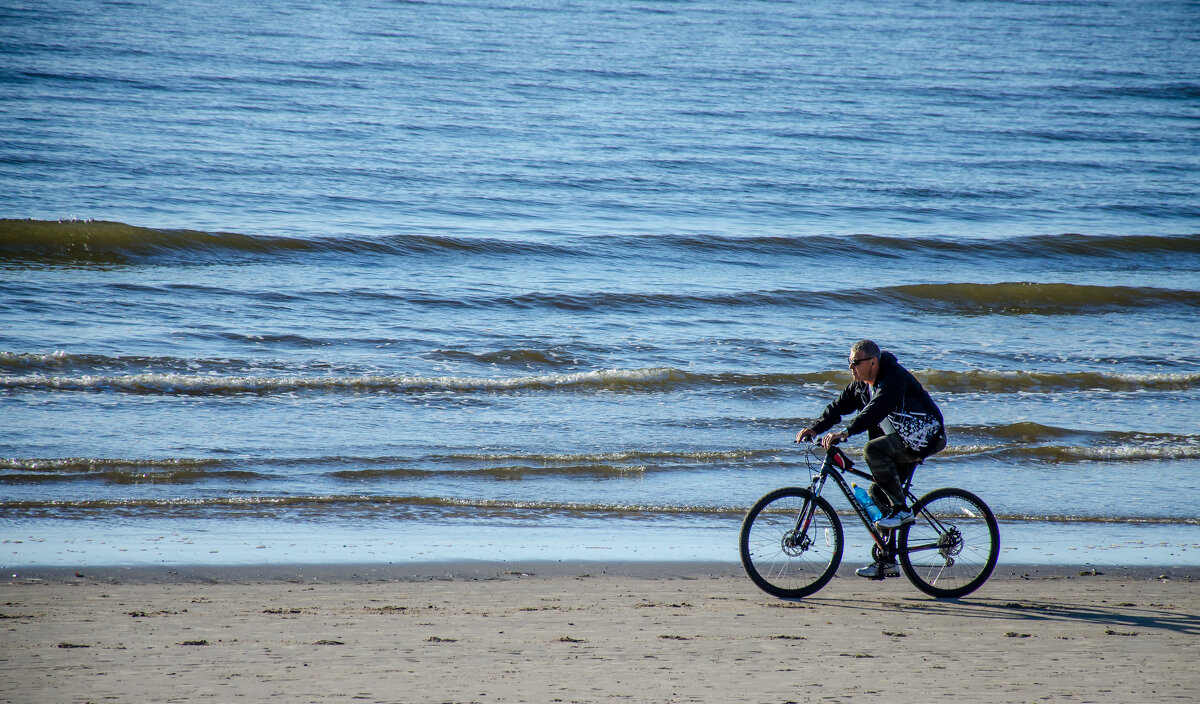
903	424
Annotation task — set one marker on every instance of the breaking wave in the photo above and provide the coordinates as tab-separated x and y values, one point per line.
644	379
426	507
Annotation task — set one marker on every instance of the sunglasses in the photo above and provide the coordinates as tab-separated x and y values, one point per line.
855	362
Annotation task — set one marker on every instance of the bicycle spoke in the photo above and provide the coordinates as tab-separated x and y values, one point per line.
791	542
952	547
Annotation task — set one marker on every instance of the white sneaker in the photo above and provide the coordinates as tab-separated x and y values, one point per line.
876	570
895	520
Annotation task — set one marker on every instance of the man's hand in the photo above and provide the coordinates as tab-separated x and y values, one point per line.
806	434
832	439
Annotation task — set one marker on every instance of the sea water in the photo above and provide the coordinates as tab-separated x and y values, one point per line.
384	282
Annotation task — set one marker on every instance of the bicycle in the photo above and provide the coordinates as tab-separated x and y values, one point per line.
791	539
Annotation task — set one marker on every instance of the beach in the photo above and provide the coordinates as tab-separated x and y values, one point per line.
590	632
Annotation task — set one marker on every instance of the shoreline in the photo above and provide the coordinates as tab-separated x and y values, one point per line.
350	573
36	544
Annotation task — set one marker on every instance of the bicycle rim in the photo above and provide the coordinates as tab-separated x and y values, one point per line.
781	560
952	547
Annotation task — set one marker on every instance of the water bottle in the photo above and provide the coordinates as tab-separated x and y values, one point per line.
864	498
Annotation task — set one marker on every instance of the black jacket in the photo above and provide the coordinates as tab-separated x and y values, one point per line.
895	390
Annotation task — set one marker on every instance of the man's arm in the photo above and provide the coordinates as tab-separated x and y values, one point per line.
847	402
885	400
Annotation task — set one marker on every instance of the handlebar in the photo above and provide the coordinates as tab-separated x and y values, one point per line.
840	459
813	440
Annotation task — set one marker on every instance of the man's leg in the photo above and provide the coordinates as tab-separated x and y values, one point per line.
888	474
891	463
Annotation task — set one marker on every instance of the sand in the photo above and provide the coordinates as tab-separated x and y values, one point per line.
590	633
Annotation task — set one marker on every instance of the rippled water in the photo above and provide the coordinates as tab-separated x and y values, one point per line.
414	280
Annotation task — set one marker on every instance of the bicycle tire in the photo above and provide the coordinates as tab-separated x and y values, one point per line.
952	547
779	562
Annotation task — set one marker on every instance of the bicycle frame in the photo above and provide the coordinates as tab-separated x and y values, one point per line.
836	465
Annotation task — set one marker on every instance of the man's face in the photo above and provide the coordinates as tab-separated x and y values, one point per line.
862	367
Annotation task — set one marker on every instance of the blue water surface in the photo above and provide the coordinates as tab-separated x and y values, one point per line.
293	282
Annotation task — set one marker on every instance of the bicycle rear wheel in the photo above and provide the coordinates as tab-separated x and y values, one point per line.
791	543
952	547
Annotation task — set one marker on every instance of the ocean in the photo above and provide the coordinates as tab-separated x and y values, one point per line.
385	282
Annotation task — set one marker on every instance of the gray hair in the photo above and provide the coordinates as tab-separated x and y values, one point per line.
866	347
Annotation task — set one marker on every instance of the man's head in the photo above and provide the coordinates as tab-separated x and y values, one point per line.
864	361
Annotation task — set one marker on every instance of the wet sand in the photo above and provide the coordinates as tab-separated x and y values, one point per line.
574	632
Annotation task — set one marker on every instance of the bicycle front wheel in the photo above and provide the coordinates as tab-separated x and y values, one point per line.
952	547
791	543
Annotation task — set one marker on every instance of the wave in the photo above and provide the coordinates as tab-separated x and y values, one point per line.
102	242
1023	298
513	466
1002	382
938	299
59	360
1122	446
1031	432
1027	442
47	360
164	374
203	385
470	507
83	242
62	360
393	508
1021	431
120	471
112	476
619	456
631	380
506	466
1065	246
554	357
1071	454
1022	442
90	464
508	472
1010	298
